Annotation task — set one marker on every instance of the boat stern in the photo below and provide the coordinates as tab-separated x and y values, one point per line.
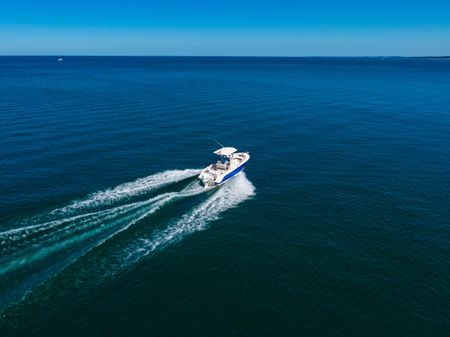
207	178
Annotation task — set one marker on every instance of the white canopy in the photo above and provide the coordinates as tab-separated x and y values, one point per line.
225	151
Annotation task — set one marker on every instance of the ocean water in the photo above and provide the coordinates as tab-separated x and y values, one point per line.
340	225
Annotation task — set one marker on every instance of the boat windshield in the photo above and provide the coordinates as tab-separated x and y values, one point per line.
224	159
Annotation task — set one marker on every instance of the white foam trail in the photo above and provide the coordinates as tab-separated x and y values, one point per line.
40	241
55	243
128	190
228	196
101	267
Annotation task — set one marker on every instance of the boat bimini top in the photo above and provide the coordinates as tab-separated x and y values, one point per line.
225	151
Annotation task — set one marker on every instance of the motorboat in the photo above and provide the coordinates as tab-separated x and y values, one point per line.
229	164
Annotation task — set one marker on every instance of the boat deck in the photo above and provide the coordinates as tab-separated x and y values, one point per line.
221	171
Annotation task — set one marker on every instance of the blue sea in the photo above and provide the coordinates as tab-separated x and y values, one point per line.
340	225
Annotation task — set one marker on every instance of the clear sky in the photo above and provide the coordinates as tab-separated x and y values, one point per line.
225	27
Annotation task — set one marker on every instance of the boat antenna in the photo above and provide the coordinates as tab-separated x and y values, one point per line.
217	142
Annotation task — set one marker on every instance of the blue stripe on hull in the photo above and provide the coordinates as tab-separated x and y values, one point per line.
232	173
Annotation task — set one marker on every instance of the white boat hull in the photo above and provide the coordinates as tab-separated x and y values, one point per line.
217	174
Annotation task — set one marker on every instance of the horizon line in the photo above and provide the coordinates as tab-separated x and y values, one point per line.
230	56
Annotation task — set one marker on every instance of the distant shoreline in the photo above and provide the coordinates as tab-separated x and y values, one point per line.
430	57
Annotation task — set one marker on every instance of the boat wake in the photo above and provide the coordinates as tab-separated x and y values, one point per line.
128	190
229	196
34	252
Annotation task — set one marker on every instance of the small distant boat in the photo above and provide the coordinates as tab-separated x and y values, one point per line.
59	60
229	164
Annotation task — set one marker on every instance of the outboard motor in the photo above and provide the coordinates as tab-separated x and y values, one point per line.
205	178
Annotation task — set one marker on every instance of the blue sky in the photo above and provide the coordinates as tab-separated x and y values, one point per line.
266	28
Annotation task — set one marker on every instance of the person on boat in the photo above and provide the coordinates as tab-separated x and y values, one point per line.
225	161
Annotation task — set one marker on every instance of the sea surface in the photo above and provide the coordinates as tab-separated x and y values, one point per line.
340	225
